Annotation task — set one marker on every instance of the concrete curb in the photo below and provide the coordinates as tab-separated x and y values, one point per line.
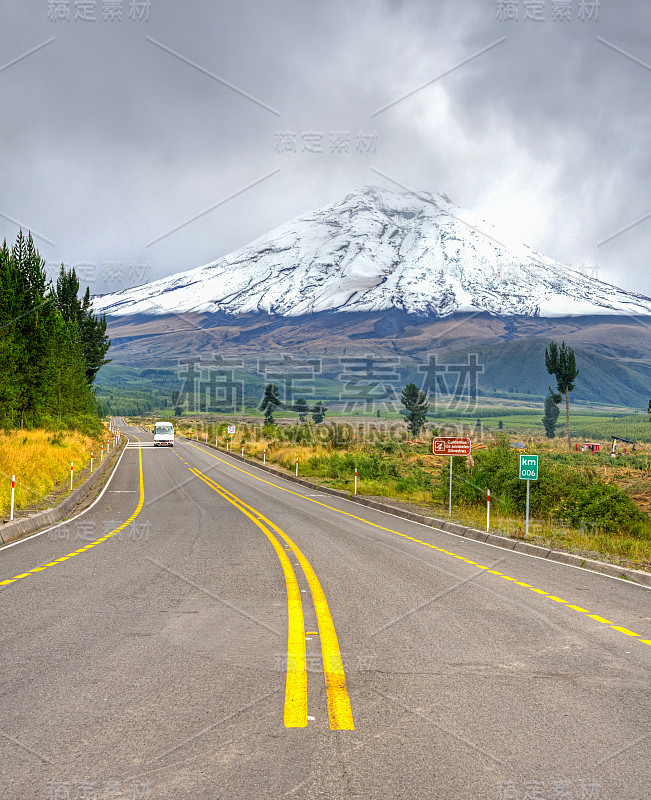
559	556
76	500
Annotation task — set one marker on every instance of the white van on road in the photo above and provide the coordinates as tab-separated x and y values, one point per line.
163	434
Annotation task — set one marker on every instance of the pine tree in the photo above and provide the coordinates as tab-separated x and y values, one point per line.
34	326
301	408
562	364
318	413
92	329
417	406
551	414
270	402
94	340
10	376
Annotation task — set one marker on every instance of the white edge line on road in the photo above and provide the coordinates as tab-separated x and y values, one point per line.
72	519
455	535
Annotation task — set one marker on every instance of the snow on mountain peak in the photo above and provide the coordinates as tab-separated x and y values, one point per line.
380	249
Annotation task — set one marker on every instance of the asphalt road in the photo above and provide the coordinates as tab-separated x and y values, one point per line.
221	633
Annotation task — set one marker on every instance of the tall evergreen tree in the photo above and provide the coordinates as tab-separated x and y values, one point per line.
10	309
270	402
94	340
551	414
92	330
319	412
34	326
302	408
417	406
562	364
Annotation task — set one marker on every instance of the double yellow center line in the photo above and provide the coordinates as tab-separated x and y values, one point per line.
339	710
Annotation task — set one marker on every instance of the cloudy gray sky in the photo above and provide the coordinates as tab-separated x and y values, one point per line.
117	131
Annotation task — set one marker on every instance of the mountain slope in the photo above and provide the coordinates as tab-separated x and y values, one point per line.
520	366
379	250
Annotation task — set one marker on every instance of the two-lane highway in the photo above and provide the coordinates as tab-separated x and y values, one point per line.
207	630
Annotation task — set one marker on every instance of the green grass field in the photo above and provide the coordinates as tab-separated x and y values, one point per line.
587	426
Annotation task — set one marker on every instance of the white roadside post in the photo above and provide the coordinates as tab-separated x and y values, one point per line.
264	456
355	480
13	489
91	460
297	466
71	473
242	451
488	509
101	461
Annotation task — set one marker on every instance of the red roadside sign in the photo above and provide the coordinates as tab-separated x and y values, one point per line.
451	446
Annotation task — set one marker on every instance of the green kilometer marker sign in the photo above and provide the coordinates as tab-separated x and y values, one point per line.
528	468
528	473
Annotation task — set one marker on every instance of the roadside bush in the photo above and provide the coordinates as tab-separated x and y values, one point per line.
561	491
604	507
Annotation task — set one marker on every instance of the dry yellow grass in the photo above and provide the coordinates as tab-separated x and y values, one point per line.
40	460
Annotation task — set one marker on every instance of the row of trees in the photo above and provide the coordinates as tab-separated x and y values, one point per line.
560	362
412	398
271	401
51	344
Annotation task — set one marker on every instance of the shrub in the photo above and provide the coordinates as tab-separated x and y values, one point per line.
561	491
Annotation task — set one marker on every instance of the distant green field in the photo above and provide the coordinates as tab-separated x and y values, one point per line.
635	427
128	392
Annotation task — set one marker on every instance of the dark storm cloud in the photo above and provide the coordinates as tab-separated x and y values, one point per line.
116	133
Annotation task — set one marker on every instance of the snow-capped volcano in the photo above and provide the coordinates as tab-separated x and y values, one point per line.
377	250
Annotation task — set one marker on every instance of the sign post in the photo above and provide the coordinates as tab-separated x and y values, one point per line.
451	446
231	430
450	501
528	473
